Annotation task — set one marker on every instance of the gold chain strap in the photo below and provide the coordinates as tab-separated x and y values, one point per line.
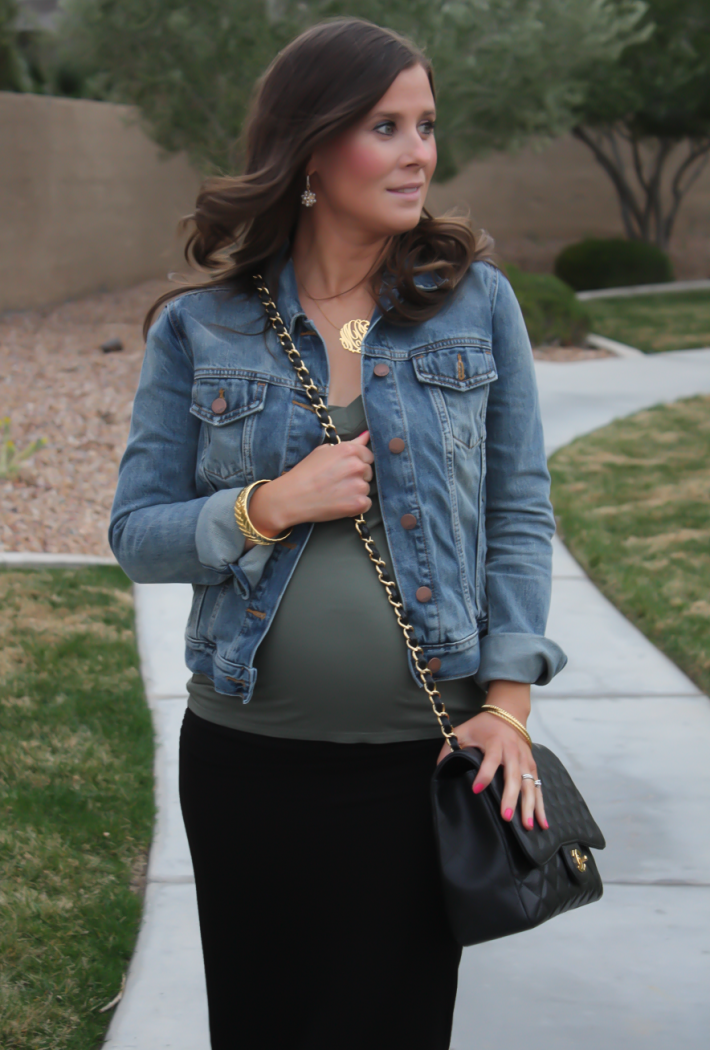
331	435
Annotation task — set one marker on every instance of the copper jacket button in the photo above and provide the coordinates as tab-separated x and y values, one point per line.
381	369
219	405
396	445
434	664
423	594
408	521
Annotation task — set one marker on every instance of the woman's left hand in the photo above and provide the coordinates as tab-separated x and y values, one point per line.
501	744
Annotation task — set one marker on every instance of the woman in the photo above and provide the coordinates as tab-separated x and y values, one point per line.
308	743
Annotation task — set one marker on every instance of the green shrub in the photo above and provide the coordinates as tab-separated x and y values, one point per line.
552	312
612	262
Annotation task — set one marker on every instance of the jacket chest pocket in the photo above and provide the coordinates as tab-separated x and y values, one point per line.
459	378
229	407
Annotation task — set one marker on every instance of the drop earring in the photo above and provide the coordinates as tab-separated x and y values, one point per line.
308	197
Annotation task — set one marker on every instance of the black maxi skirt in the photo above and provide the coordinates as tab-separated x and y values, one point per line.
318	890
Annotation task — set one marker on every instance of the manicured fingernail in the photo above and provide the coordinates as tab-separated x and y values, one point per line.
545	824
529	822
508	814
478	788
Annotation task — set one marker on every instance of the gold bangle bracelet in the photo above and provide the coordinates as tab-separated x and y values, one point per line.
499	712
244	522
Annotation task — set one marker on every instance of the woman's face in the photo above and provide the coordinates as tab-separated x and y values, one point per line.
375	175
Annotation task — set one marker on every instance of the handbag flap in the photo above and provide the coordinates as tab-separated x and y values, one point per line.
571	823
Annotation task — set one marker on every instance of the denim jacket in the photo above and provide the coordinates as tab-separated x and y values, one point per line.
457	439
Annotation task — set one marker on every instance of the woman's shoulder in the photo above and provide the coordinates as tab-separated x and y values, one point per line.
485	281
482	277
216	305
208	304
478	289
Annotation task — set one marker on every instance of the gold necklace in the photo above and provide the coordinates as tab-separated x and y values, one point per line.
351	333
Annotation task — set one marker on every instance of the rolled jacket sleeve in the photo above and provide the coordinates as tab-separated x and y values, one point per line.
220	544
161	531
519	522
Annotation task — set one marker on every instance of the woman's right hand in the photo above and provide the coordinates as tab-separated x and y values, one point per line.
333	481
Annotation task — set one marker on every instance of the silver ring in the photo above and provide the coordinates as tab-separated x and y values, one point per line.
528	776
538	783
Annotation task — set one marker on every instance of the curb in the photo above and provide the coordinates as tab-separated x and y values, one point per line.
646	289
600	342
17	560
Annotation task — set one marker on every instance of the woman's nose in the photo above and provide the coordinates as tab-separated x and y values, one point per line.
418	150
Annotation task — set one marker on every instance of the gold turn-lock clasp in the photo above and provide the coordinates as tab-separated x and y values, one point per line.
580	859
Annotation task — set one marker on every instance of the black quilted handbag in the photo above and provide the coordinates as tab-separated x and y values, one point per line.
497	877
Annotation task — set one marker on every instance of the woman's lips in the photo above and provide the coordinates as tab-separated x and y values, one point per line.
407	191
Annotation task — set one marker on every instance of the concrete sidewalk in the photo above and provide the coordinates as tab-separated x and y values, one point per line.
629	973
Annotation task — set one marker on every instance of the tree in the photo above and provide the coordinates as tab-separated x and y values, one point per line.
13	75
653	104
188	65
507	69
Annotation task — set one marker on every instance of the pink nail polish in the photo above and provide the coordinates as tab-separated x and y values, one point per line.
508	814
545	825
478	788
530	822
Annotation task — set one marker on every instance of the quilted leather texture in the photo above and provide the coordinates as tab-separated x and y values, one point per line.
499	879
567	813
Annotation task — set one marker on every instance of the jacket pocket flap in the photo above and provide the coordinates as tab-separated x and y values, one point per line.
456	367
219	400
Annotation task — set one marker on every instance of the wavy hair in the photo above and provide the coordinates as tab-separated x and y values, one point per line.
322	83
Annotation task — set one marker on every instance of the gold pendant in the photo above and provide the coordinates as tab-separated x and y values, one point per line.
352	334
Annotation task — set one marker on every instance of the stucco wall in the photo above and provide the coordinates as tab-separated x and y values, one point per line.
86	200
535	203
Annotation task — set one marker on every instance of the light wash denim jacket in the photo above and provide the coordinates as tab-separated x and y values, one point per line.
459	392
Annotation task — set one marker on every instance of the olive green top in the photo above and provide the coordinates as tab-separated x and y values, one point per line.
333	665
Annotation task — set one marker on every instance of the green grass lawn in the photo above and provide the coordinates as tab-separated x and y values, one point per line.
653	323
76	795
633	505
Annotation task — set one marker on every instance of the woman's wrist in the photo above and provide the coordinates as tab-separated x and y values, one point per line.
513	697
266	510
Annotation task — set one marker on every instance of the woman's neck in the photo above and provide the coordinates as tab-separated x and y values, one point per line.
330	261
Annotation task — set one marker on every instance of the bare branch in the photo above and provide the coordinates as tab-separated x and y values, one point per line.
699	152
631	213
638	163
625	210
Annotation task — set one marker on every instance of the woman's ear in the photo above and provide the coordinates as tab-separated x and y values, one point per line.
312	163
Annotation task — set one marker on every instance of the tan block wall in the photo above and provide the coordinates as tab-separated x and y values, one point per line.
535	203
86	200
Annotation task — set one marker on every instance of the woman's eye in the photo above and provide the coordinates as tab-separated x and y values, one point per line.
388	127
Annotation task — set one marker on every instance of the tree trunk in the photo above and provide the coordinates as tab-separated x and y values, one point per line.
643	212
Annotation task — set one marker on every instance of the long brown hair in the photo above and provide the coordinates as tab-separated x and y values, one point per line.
322	83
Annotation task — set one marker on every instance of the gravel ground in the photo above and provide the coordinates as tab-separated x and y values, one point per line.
58	384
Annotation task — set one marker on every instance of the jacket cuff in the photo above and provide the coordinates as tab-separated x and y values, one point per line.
220	544
218	541
251	565
519	658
